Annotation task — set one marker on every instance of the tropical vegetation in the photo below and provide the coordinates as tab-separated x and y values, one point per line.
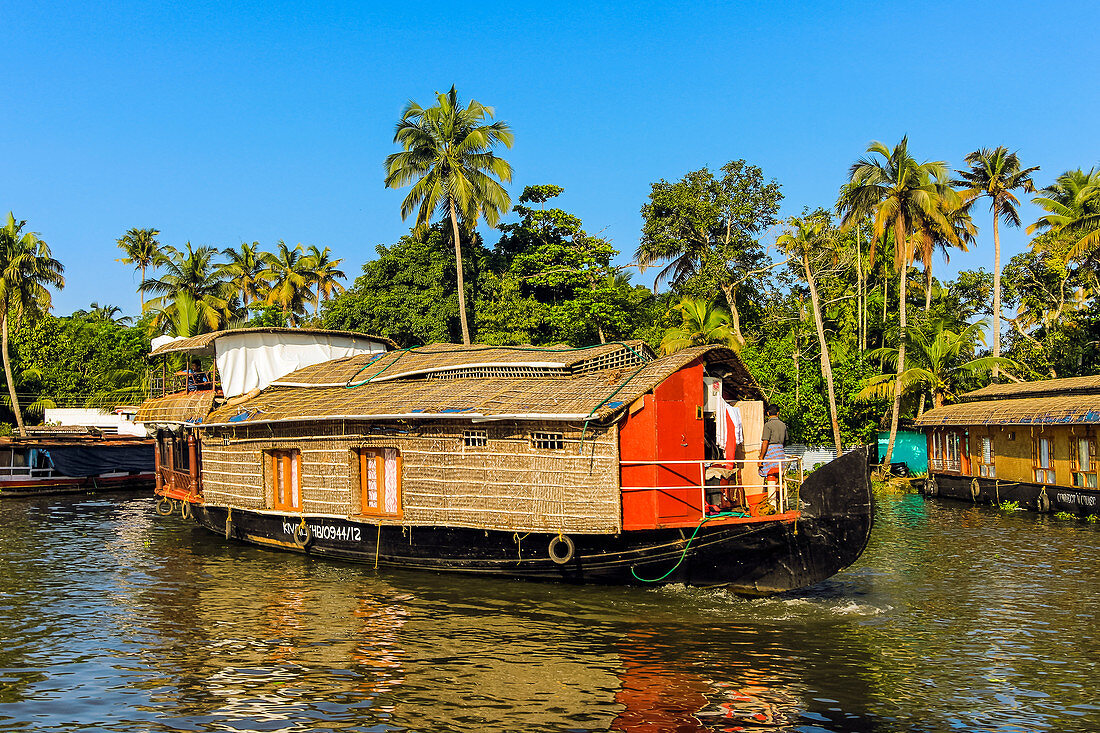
838	313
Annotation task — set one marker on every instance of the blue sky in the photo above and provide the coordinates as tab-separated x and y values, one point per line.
227	122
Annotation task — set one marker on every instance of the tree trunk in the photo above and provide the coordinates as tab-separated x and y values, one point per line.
859	294
7	374
996	293
826	363
735	317
901	366
928	289
461	285
141	293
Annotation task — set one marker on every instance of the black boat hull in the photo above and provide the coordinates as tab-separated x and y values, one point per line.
759	558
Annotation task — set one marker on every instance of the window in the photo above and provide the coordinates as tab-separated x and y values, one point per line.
945	451
380	480
1044	461
286	476
475	438
1083	452
986	458
548	441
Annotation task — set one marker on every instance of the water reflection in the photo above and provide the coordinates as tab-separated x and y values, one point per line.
957	618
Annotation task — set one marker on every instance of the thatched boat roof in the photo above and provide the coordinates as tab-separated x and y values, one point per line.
1074	400
445	381
182	407
204	343
1042	388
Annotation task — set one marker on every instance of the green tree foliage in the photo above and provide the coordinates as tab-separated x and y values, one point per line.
904	197
1072	204
941	363
409	293
995	174
193	274
707	230
27	272
142	250
80	359
447	154
1056	329
551	282
701	323
289	275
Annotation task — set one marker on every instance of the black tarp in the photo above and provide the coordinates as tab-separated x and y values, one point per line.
79	461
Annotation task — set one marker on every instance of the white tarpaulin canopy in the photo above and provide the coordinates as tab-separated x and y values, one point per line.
253	360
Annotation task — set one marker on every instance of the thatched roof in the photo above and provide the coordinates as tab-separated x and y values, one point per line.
454	361
1073	400
183	407
204	343
448	381
1055	410
1043	388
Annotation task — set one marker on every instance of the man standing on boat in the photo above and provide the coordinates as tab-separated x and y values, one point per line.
772	442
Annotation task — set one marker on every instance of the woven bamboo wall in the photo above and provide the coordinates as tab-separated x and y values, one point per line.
504	485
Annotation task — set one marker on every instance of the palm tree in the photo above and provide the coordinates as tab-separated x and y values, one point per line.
142	251
939	369
106	313
27	270
997	173
702	323
901	195
448	157
959	234
193	273
242	271
1072	204
809	240
324	275
288	273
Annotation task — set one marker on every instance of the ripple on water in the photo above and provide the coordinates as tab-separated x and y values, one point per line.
957	618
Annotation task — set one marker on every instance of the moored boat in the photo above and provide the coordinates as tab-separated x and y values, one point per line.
1031	443
602	464
57	461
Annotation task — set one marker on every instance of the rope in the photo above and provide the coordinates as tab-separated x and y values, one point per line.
687	547
377	545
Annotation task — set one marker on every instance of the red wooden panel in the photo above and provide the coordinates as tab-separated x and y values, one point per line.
638	442
679	438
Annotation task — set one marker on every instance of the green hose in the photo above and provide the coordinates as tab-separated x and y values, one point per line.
687	547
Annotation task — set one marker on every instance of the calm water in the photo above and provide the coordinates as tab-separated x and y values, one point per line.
957	618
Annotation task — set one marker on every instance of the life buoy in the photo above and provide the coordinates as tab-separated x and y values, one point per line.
185	509
1044	501
561	558
303	535
975	489
164	506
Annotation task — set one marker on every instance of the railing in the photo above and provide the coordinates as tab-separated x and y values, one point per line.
161	384
793	474
26	471
178	484
945	464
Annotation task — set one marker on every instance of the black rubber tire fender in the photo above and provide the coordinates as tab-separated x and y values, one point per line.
303	535
164	506
561	558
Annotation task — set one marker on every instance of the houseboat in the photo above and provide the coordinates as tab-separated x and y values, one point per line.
1033	443
67	459
602	464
